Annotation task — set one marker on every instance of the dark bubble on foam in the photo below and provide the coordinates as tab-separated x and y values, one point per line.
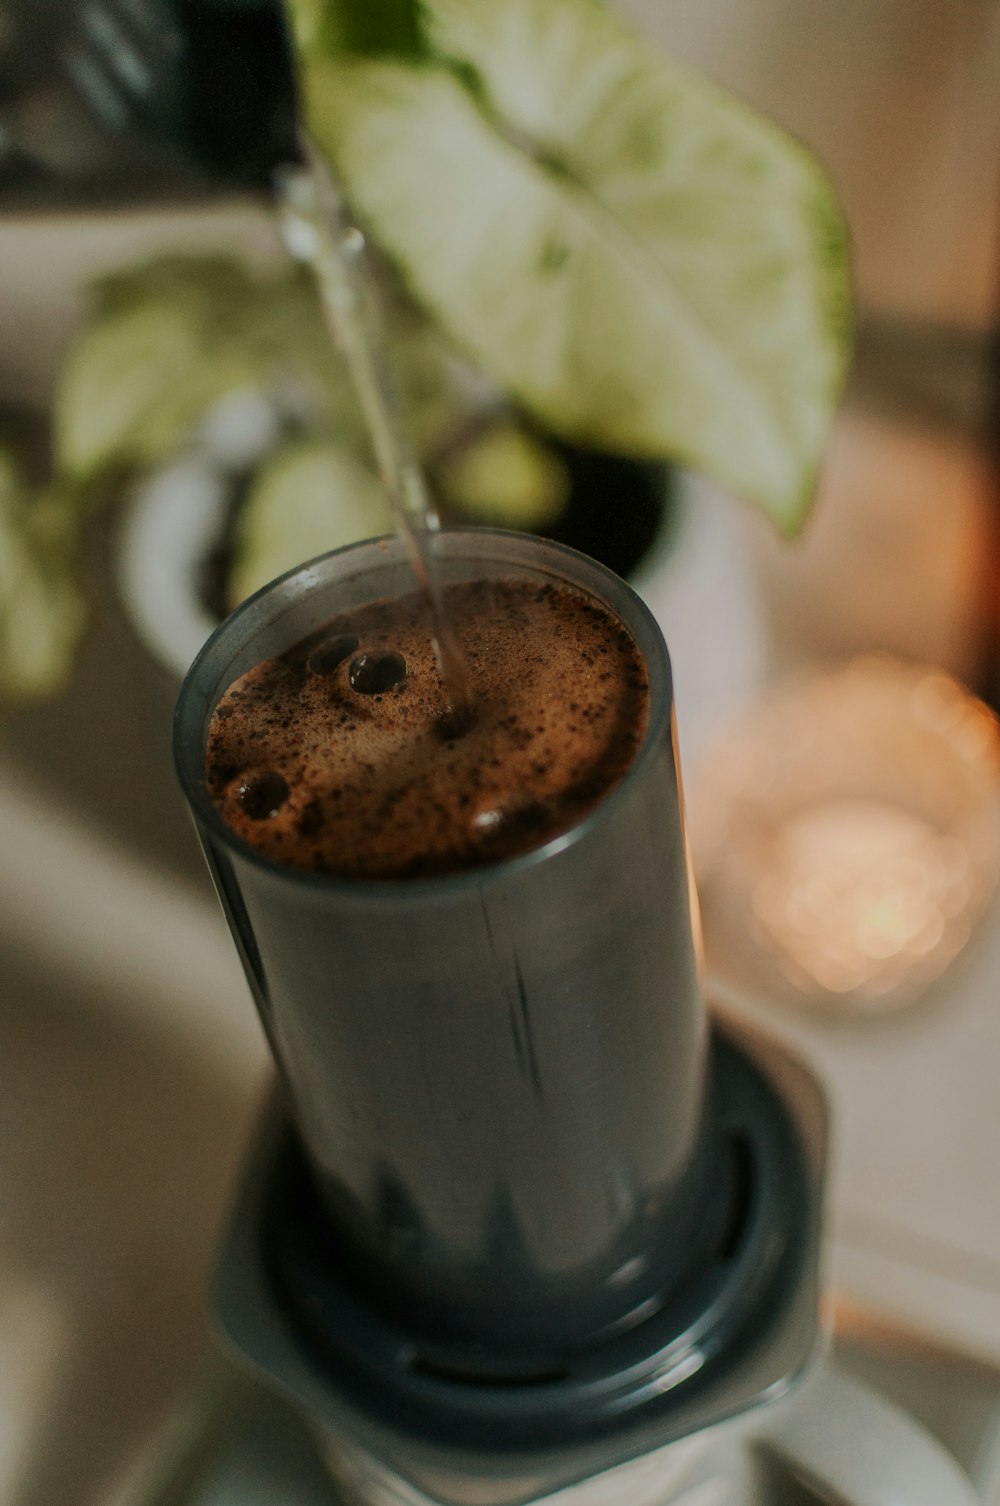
372	674
262	794
453	723
312	820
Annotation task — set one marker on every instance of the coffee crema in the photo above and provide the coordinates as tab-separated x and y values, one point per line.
339	756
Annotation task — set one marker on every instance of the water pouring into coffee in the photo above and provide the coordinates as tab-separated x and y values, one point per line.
121	100
521	1199
522	1214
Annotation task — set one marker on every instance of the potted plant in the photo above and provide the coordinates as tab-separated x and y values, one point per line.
588	248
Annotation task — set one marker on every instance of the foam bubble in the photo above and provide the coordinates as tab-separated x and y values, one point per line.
373	674
261	794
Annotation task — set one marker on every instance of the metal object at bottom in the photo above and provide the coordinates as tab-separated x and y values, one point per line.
405	1420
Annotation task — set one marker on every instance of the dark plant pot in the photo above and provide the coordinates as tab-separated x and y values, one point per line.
618	508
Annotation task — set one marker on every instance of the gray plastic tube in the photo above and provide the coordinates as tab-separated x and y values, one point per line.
498	1077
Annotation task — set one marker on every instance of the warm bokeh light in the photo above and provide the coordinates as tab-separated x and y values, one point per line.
846	833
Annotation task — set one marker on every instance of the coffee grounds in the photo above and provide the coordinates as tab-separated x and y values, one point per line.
350	728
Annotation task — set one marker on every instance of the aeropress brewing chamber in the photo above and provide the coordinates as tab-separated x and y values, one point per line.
518	1213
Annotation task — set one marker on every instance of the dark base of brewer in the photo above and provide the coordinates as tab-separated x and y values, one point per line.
743	1328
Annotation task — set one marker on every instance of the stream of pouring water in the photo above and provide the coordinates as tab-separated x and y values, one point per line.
318	233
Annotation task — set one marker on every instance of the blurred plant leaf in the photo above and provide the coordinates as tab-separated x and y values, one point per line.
311	497
389	27
644	262
170	340
134	388
42	607
505	478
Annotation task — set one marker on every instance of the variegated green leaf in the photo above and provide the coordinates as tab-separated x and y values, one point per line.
642	260
313	496
171	339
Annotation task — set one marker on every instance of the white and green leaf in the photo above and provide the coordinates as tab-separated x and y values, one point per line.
636	256
312	497
172	339
135	386
505	478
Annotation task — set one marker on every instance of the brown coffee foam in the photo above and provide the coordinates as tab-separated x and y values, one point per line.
378	788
